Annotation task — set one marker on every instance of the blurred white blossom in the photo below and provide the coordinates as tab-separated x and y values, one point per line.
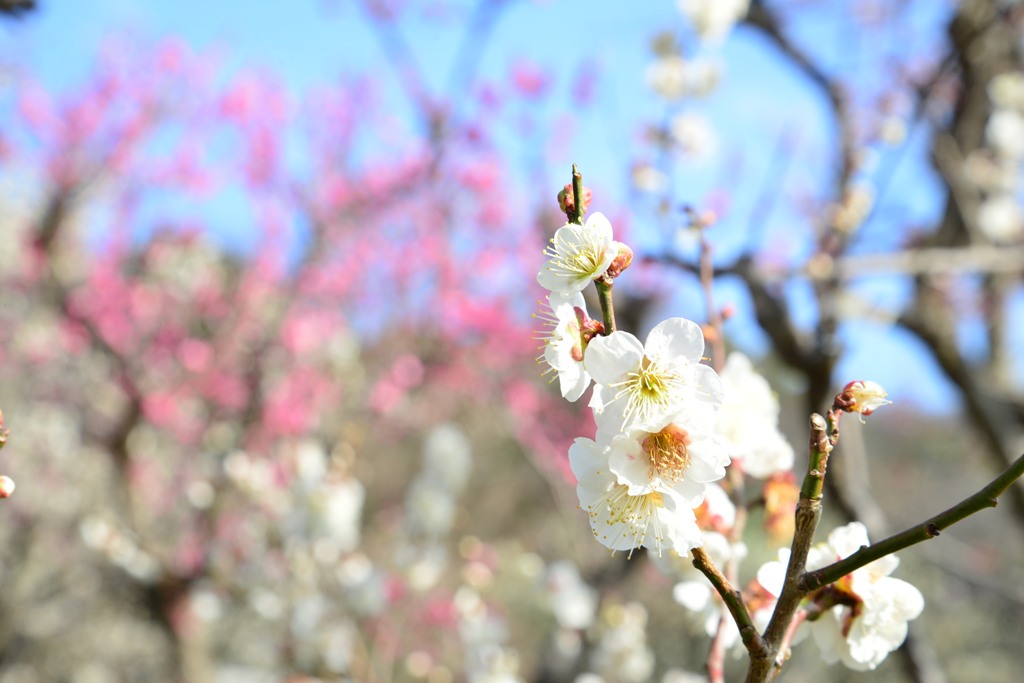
1005	134
713	19
1000	218
447	456
673	77
748	421
621	653
573	602
694	135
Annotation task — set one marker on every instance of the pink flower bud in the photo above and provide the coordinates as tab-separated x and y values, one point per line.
567	203
589	328
6	487
621	261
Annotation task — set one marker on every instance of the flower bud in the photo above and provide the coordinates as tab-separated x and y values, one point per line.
621	261
862	396
589	328
6	487
567	202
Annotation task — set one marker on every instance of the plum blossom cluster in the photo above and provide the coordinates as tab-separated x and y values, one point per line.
862	617
654	402
667	427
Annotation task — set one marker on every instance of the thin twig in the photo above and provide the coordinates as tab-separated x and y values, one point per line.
926	530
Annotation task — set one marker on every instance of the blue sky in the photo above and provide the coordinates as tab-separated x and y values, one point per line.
761	99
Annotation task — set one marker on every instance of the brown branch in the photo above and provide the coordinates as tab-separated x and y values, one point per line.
733	601
987	497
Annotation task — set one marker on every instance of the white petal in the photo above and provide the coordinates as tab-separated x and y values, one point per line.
588	464
565	303
772	575
548	279
631	465
601	227
679	524
573	381
609	358
692	595
846	540
690	491
675	341
707	385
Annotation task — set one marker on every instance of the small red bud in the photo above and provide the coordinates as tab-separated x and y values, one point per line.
621	261
567	203
589	328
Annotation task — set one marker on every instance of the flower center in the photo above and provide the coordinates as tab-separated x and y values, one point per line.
631	517
668	452
575	259
649	391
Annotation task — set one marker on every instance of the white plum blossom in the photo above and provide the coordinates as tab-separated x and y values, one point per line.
1000	218
673	77
695	135
700	598
484	633
861	636
448	456
666	76
621	653
430	508
340	504
748	420
647	178
578	254
713	19
771	576
572	600
431	499
659	520
681	456
1005	134
643	386
565	343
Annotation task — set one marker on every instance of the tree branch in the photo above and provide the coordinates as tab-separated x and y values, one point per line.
926	530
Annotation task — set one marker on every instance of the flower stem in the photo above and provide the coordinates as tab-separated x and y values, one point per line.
577	195
604	295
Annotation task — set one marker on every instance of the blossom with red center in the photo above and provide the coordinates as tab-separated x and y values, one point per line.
570	331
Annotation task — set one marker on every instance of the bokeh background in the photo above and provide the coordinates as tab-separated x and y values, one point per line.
268	359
